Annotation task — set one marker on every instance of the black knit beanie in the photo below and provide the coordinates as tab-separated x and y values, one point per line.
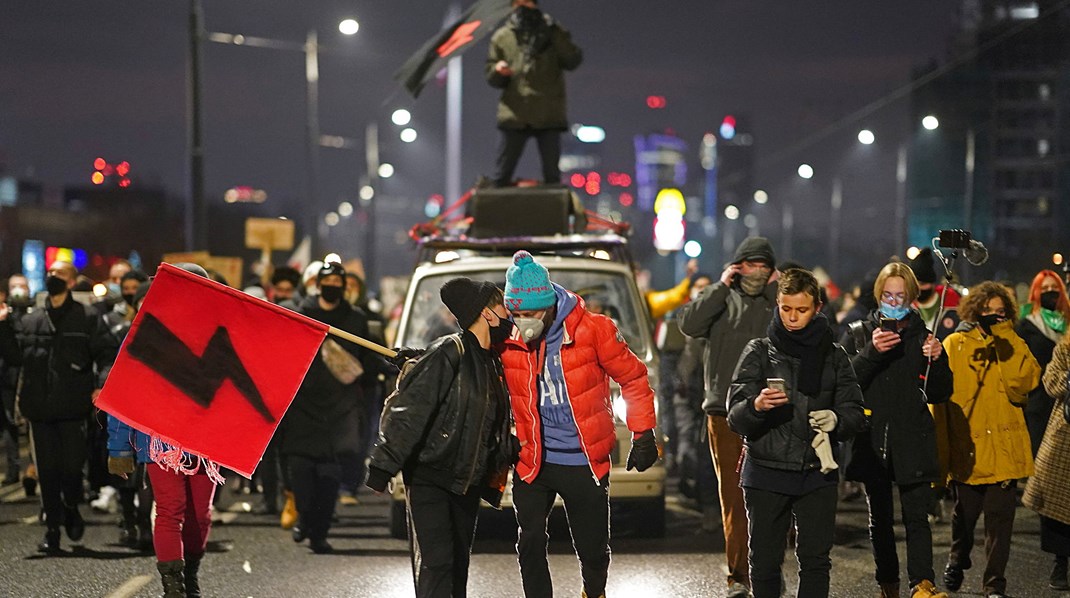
465	298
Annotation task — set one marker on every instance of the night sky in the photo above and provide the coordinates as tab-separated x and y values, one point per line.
85	79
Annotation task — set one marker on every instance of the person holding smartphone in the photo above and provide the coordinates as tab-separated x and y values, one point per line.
788	467
901	368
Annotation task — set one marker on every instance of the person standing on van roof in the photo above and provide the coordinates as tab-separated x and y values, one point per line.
557	365
728	314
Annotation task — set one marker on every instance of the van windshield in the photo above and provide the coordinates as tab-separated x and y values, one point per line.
607	293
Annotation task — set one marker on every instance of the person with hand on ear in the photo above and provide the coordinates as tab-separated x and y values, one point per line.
557	366
793	396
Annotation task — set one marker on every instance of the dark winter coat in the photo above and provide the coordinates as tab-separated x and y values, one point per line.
901	428
534	96
1040	402
65	354
324	419
449	423
728	319
780	438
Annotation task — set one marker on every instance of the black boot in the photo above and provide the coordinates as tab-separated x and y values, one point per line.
50	545
73	523
174	585
193	585
1058	575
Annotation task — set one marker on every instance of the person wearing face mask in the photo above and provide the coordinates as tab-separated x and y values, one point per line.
987	442
1042	325
63	351
322	426
527	60
558	365
793	395
728	314
892	350
17	298
446	429
929	293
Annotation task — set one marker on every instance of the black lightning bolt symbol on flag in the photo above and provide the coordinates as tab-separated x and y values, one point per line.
199	378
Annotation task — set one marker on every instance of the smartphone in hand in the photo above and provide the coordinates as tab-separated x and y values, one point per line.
776	384
890	325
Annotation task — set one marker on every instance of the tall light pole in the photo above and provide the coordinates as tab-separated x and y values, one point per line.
371	153
835	217
312	132
454	93
196	221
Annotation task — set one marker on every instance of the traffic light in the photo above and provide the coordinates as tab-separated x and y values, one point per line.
669	228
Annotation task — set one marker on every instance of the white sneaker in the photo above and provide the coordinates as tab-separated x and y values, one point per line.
737	590
107	501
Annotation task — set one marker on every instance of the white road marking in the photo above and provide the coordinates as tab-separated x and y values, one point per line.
130	586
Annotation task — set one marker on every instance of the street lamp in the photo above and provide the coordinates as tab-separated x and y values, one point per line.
349	26
866	137
401	117
806	171
930	122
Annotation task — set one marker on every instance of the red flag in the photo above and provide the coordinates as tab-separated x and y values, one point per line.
209	370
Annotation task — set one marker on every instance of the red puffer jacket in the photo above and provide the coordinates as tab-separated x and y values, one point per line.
592	352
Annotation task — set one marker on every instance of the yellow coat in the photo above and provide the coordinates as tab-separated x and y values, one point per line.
662	302
981	431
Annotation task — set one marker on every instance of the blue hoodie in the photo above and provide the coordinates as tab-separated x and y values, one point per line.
561	437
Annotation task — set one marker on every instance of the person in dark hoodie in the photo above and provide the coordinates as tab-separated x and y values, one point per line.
902	369
728	314
447	431
527	60
321	427
793	394
57	348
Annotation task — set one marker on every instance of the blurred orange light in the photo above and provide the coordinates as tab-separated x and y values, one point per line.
98	178
100	163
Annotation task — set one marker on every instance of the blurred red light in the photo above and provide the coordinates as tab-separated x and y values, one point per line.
100	163
626	199
123	168
594	176
98	260
124	183
97	178
655	102
593	187
578	180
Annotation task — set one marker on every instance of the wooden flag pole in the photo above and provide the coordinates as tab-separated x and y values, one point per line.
367	344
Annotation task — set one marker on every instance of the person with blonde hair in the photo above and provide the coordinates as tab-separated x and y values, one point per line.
988	447
892	350
1042	324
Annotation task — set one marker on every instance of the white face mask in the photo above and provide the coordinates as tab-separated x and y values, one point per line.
530	328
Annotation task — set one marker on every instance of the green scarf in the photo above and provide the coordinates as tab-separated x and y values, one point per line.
1054	320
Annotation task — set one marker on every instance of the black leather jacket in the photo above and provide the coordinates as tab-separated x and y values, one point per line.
780	438
448	424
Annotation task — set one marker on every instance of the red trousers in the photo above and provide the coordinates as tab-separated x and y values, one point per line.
183	513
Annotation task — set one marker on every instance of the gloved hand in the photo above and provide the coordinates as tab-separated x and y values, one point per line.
823	420
378	479
120	466
404	354
823	448
644	452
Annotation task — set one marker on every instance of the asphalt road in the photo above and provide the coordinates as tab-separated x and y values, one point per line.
251	556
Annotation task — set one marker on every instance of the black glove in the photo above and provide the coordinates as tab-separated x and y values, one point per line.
644	452
377	479
404	354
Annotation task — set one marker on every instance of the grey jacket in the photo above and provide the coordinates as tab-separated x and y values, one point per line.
728	319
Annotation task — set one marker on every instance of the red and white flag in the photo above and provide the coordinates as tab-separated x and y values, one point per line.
209	371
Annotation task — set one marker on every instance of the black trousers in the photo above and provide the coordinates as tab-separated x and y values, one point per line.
315	488
914	499
441	528
512	146
1054	537
59	450
136	485
273	471
997	502
587	508
9	432
769	515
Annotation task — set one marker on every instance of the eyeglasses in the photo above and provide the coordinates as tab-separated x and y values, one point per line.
888	297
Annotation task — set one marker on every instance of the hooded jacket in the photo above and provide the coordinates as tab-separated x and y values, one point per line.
981	432
592	352
901	428
534	96
728	319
